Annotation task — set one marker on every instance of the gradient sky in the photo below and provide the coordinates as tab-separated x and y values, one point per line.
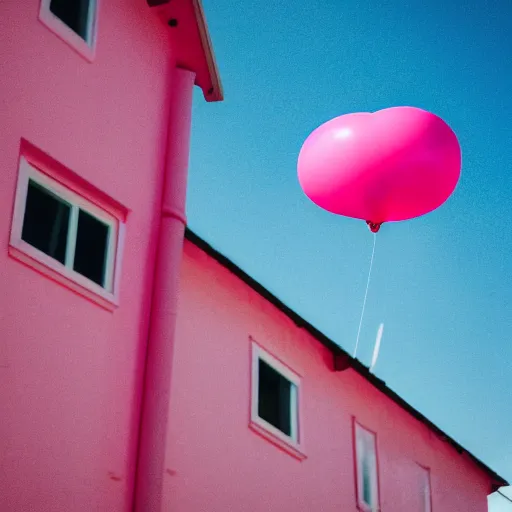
441	283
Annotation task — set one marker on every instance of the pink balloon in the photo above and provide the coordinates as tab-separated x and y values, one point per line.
391	165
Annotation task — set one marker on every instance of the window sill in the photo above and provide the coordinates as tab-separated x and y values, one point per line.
363	507
55	271
287	445
63	32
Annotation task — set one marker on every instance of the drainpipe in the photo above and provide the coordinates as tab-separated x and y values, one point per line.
157	378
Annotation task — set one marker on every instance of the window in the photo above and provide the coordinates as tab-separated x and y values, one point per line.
46	222
277	400
64	231
76	14
275	393
424	490
367	478
72	20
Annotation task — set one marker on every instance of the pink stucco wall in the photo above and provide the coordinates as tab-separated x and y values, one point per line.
70	371
216	463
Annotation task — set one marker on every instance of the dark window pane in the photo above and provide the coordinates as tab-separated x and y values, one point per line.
91	248
274	398
74	13
46	221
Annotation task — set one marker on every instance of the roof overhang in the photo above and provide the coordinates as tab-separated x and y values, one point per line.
342	361
194	50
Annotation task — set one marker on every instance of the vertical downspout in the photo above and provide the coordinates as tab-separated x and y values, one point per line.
157	376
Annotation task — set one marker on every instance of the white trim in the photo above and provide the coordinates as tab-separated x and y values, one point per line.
108	278
20	202
86	47
294	412
71	238
91	22
366	447
115	227
259	354
425	489
117	255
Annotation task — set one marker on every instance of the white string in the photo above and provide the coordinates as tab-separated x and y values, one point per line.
504	496
365	294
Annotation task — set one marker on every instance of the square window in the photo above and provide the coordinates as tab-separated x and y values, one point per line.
275	390
74	21
76	14
65	232
367	477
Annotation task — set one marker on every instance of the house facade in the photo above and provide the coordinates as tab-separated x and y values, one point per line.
123	390
94	132
269	415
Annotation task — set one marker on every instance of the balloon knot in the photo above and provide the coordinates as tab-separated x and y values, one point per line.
374	226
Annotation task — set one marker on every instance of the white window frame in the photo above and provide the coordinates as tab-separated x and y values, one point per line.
425	489
29	173
86	47
366	441
294	438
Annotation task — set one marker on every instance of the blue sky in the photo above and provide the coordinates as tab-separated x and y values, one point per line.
441	283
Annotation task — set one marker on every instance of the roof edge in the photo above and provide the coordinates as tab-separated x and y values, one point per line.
336	350
213	92
206	42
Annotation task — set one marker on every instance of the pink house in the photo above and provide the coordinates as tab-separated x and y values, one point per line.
144	372
267	413
94	136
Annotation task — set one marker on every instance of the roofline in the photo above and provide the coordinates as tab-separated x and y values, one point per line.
217	94
342	360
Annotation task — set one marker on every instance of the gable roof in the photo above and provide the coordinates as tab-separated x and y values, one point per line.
341	359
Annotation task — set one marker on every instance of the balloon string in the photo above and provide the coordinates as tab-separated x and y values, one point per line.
365	294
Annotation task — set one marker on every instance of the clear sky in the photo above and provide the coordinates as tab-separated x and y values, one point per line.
441	283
